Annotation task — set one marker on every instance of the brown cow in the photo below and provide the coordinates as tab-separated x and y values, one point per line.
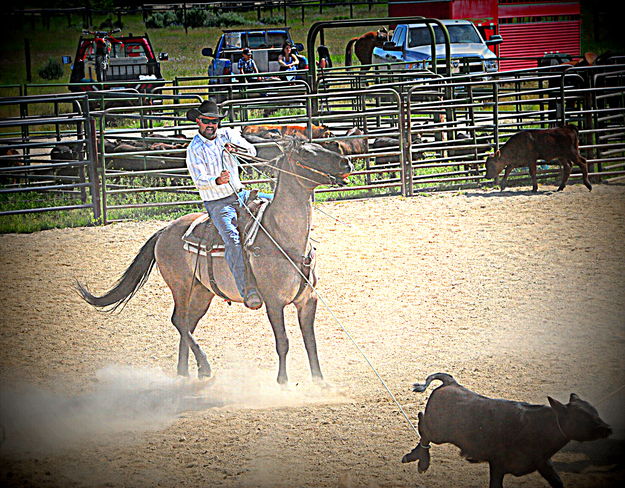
513	437
363	46
526	147
359	145
269	131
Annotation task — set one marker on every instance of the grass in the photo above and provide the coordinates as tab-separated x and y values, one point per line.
184	49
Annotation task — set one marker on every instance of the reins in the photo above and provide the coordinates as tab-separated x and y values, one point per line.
322	299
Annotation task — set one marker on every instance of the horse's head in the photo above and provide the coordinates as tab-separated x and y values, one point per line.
314	164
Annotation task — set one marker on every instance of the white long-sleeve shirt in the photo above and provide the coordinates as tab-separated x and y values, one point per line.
204	162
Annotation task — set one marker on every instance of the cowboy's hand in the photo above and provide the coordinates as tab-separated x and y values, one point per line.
230	147
223	178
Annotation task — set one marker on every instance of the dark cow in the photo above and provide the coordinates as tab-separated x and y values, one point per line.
526	147
513	437
357	145
10	158
363	46
388	144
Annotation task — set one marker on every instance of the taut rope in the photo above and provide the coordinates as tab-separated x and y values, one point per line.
327	306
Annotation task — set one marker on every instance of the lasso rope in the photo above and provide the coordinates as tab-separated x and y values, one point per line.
322	299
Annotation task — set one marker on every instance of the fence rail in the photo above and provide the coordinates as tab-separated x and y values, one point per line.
423	133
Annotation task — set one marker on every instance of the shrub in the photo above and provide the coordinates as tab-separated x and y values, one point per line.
272	20
225	19
52	70
155	21
196	17
159	20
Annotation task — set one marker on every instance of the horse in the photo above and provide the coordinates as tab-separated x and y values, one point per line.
363	46
285	223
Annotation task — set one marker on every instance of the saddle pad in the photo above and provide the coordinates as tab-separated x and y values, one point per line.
196	244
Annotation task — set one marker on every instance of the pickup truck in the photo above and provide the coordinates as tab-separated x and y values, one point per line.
122	62
412	43
266	46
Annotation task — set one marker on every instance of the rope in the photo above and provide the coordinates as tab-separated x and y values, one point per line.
327	306
609	395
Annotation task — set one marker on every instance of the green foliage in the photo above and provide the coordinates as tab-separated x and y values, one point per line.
52	70
196	17
225	19
275	20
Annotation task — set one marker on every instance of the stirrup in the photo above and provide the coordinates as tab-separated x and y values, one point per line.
253	300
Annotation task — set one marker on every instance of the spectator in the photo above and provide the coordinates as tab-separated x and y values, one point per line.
247	65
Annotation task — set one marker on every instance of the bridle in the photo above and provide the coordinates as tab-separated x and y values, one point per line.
331	178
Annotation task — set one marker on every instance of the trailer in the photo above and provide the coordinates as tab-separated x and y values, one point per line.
529	28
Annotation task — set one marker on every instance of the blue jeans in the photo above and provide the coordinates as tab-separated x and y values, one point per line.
223	213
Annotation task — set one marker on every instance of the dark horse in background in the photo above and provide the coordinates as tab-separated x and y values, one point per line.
363	46
302	167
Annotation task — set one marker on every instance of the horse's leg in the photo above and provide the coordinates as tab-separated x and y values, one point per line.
306	310
189	308
276	318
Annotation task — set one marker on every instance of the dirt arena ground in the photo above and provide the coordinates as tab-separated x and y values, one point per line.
517	295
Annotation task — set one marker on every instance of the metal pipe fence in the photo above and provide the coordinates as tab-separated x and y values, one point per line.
47	163
418	132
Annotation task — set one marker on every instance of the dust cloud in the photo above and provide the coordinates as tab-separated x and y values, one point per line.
126	399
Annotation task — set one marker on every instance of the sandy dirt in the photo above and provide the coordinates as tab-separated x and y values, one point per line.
517	295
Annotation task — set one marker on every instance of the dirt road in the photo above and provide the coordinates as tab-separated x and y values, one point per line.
516	295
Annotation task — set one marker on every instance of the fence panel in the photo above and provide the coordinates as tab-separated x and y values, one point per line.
48	162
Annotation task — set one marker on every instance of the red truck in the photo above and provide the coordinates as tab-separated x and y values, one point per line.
104	61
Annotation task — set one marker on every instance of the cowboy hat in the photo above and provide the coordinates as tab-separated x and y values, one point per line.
208	108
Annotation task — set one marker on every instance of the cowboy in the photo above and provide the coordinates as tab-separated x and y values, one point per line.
214	172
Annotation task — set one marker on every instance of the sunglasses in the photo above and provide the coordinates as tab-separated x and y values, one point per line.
208	120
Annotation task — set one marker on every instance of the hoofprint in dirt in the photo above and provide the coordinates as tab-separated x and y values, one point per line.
517	295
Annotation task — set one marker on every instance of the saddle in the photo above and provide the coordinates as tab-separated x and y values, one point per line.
202	237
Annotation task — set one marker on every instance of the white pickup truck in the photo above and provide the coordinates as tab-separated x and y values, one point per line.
412	43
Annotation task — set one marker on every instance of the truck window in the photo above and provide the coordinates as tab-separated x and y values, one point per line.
399	38
255	40
276	39
134	50
232	40
420	36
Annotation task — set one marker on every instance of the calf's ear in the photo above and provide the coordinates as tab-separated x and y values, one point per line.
573	397
556	405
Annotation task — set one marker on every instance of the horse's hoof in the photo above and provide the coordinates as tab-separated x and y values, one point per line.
204	374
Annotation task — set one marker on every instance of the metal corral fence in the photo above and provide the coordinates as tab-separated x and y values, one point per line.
406	131
48	162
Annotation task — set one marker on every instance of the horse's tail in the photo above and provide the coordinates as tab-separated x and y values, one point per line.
130	282
447	380
348	51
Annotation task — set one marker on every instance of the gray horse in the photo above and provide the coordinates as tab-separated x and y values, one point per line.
286	222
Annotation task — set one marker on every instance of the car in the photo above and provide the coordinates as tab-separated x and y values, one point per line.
266	46
122	62
412	43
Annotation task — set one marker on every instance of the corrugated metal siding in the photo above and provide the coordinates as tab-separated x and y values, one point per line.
535	38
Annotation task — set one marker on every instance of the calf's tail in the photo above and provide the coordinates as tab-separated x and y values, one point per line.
447	380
